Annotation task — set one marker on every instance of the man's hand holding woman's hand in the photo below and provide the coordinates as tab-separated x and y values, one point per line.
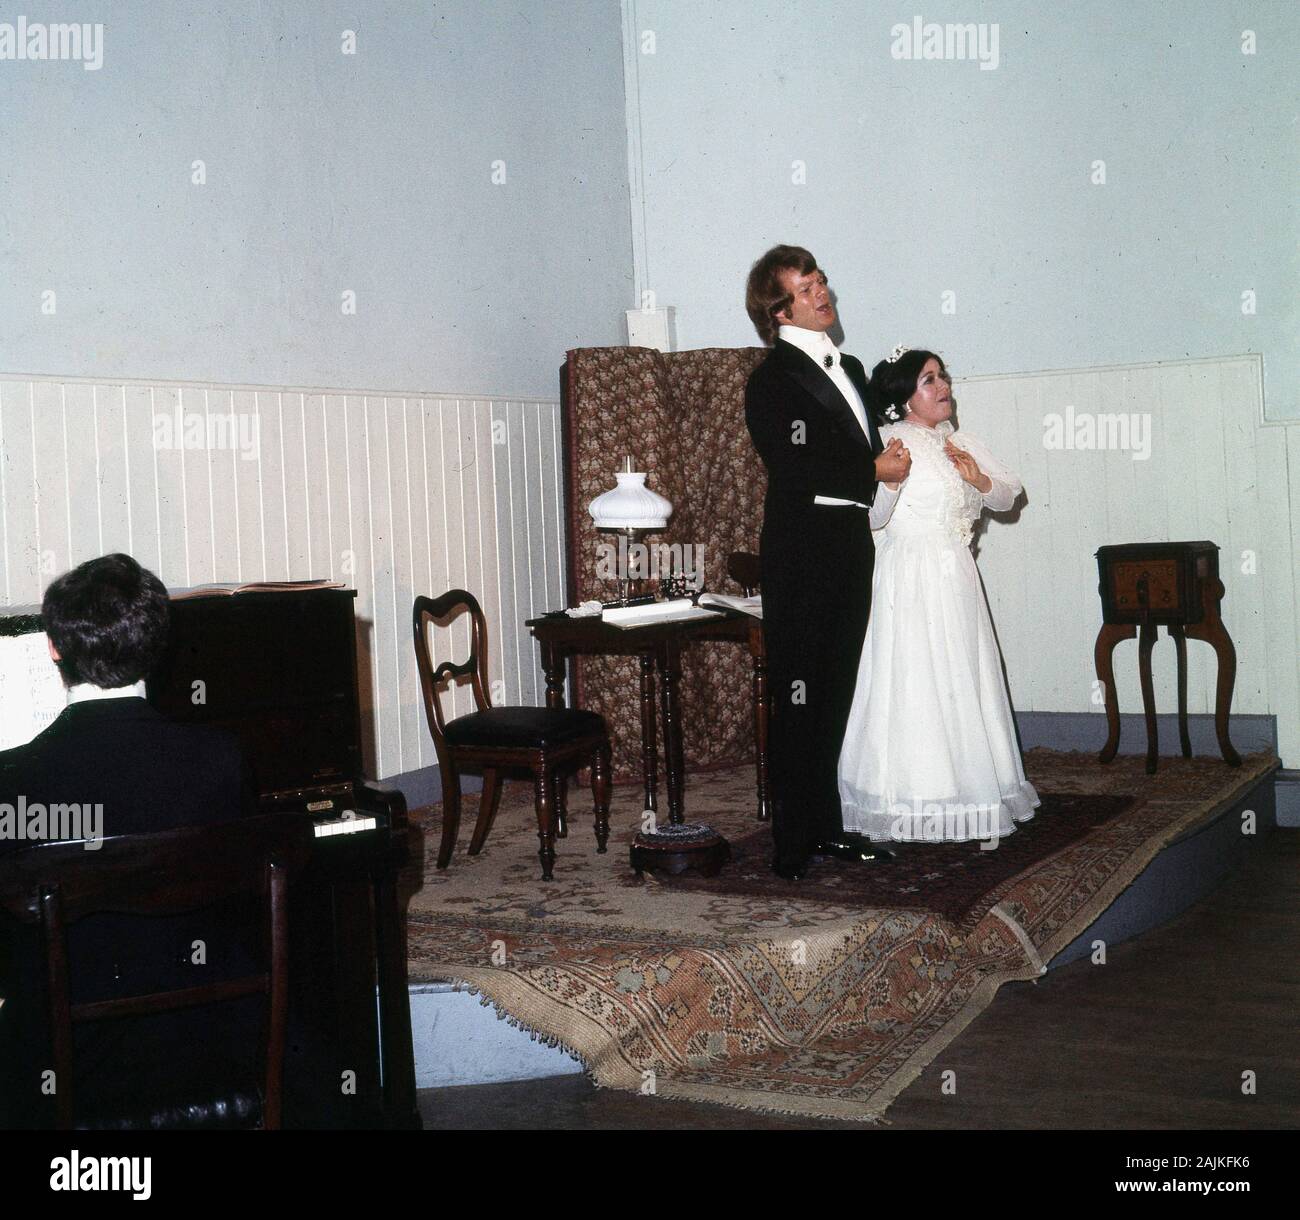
893	464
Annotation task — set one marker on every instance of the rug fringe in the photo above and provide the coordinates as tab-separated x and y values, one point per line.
536	1034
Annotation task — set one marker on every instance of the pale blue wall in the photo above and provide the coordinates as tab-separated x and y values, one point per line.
325	172
924	176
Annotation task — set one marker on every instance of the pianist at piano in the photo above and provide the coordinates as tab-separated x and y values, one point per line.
106	622
155	759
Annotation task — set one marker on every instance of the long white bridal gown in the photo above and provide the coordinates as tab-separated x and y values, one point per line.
930	752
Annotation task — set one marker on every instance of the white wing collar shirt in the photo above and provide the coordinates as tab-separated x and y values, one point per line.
816	344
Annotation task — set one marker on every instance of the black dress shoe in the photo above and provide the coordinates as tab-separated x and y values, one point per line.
852	847
790	868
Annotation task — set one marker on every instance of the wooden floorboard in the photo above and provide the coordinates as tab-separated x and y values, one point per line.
1157	1038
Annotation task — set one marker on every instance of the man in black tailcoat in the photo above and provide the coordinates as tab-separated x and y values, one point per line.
808	412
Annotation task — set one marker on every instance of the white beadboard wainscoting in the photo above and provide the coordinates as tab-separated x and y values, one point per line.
399	494
1216	471
394	494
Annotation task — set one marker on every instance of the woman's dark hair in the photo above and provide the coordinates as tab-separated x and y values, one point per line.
893	384
108	619
764	296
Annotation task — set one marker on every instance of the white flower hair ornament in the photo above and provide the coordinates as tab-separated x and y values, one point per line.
895	412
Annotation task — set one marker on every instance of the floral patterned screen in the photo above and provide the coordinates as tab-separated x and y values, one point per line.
680	416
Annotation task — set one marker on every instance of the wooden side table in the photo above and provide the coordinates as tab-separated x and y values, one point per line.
1175	585
659	648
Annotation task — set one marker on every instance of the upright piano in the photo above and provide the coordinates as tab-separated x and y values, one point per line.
278	669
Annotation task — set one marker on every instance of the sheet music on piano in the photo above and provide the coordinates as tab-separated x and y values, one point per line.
230	588
31	692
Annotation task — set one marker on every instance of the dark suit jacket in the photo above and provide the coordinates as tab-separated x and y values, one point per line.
835	458
149	774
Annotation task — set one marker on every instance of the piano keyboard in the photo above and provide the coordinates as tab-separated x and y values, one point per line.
348	824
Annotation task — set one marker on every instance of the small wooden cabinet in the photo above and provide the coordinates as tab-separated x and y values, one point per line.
1175	585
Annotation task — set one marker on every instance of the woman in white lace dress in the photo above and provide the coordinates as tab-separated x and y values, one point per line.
930	752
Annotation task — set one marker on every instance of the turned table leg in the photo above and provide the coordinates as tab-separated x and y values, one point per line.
1103	658
1146	641
561	788
600	786
674	761
649	750
1215	634
1180	646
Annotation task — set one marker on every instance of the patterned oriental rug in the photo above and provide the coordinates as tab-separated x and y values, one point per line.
823	998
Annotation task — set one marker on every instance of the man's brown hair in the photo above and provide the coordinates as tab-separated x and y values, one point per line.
764	296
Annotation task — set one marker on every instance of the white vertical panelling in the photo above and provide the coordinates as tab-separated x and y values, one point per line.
399	495
504	457
1239	561
54	529
488	592
112	470
1185	467
455	640
439	546
81	468
170	506
1021	645
417	548
1087	512
332	406
223	487
196	487
1278	453
275	523
70	472
1135	514
315	489
466	513
394	495
294	477
142	471
356	568
1067	537
559	512
532	526
1216	471
23	581
550	512
395	647
5	583
250	557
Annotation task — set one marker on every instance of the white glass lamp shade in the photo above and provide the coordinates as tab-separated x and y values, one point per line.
631	505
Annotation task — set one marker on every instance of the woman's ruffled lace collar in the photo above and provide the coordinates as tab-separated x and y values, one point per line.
941	431
962	503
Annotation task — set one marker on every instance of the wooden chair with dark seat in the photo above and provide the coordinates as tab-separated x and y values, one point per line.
56	885
548	742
